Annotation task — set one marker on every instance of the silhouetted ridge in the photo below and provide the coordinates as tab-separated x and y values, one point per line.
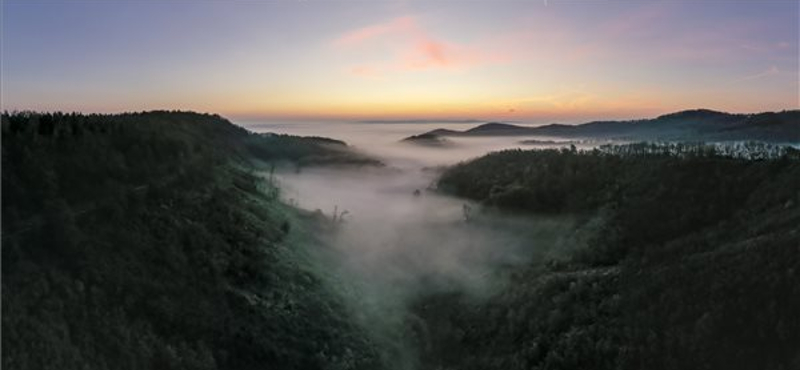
495	127
443	132
427	139
695	113
691	125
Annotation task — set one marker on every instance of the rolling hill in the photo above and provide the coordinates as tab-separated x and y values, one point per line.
689	125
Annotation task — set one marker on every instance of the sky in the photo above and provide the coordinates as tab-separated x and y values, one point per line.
525	60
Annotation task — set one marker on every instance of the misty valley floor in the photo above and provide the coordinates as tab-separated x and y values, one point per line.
395	248
575	260
179	240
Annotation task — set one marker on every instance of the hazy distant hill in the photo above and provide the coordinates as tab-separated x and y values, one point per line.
427	139
700	124
493	128
421	121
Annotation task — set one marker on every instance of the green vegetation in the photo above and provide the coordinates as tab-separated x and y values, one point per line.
694	263
148	241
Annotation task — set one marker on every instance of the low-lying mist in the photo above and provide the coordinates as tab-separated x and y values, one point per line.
385	141
397	239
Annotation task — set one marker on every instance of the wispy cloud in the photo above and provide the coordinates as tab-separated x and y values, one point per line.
566	99
413	48
767	47
771	71
365	71
361	35
428	53
574	101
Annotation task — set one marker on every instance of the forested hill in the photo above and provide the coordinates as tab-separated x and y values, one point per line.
690	125
691	261
147	241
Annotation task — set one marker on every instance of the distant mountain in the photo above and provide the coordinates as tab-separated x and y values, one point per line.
496	128
385	121
442	132
427	139
694	125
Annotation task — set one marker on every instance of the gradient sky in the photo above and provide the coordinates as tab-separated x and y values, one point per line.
534	60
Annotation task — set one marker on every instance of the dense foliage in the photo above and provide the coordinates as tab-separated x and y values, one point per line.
695	264
145	241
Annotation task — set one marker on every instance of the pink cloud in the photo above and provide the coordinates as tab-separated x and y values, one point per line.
364	34
643	36
415	49
365	71
433	51
428	53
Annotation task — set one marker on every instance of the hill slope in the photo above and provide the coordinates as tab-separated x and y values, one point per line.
148	241
692	263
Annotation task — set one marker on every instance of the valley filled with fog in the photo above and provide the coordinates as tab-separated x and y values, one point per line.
455	248
400	185
182	240
398	239
384	140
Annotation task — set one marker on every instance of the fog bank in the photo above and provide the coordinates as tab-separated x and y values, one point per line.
397	239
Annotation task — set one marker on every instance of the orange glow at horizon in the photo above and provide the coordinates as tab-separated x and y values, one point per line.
565	62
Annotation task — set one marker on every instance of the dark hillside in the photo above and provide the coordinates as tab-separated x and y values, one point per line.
146	241
695	263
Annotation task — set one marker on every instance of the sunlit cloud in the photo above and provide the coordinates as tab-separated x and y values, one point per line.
429	53
365	71
414	48
443	59
361	35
